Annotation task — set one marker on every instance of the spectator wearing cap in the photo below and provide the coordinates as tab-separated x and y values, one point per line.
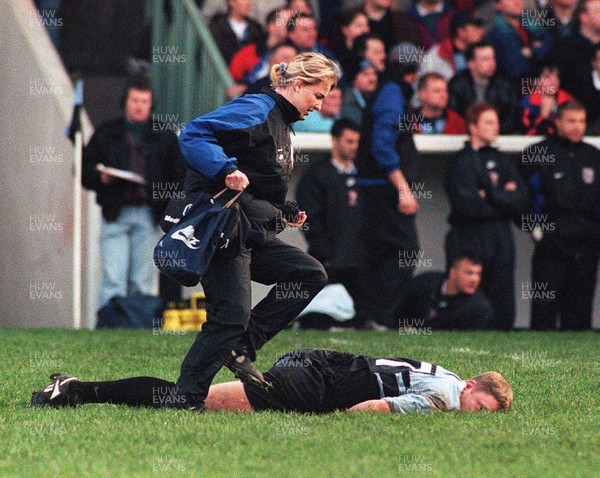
519	42
234	29
391	26
364	83
574	56
480	82
448	57
434	116
540	105
370	47
349	26
322	121
432	19
252	54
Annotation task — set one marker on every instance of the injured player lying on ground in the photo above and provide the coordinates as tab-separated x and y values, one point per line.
310	381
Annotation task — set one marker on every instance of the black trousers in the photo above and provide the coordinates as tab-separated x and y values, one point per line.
230	321
564	274
315	380
389	252
493	243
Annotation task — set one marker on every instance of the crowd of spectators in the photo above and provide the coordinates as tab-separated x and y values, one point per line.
439	67
525	57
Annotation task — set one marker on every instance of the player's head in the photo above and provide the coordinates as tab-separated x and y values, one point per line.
345	136
137	100
464	272
305	81
489	391
570	121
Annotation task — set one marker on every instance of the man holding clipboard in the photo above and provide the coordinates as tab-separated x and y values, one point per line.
134	167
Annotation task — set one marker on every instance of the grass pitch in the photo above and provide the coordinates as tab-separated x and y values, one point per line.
552	430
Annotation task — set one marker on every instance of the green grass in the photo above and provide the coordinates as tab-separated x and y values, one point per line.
552	430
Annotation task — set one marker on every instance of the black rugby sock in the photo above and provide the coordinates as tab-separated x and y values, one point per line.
136	391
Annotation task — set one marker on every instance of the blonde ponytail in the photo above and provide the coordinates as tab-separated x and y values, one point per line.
310	67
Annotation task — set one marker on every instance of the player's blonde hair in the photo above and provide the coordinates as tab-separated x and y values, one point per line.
497	386
309	67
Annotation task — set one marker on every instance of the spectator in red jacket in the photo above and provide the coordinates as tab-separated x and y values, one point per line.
250	55
434	116
432	19
540	105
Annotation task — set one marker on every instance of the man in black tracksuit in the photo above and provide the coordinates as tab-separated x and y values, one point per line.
328	193
245	145
447	301
387	167
485	192
566	202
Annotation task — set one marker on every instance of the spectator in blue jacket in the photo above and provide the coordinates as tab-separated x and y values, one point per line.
518	40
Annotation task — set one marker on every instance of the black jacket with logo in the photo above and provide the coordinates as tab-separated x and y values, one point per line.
566	187
471	171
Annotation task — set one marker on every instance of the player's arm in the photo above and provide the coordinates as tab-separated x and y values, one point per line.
371	406
412	402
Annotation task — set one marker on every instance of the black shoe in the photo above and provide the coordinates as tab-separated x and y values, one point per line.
61	393
243	368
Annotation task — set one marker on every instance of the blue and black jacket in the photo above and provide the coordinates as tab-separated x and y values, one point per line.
385	146
250	134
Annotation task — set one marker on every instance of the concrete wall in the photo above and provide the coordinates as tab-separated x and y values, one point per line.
36	180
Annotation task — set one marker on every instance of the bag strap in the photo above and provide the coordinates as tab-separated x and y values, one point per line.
219	193
231	201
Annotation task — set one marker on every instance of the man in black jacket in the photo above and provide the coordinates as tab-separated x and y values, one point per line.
566	201
328	194
480	82
130	210
234	29
486	192
574	55
449	300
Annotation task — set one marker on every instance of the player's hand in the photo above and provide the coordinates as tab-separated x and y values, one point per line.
482	194
237	181
407	204
510	186
300	219
105	179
